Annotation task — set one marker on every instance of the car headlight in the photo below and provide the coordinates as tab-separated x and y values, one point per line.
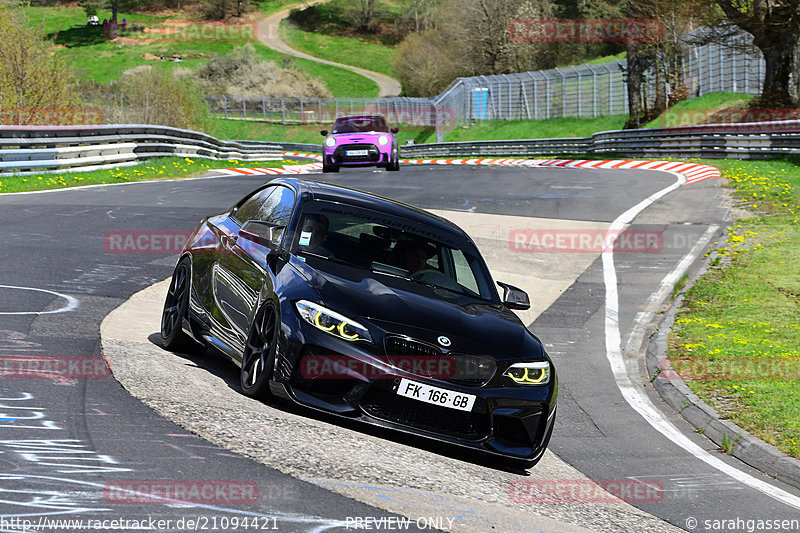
330	142
383	140
332	322
536	373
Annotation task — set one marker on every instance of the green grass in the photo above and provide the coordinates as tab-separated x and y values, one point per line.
698	110
154	169
94	58
343	17
106	61
268	7
606	59
736	339
536	129
59	19
261	131
341	82
346	50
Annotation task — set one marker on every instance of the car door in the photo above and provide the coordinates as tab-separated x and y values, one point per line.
214	293
243	269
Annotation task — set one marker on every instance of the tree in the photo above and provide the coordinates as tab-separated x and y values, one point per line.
157	95
658	59
422	12
775	27
241	7
426	63
367	12
117	5
36	85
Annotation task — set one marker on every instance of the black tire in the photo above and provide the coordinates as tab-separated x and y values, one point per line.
394	164
259	354
329	168
176	307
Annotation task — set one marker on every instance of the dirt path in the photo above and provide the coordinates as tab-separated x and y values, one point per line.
268	34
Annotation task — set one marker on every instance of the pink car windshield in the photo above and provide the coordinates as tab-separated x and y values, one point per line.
359	124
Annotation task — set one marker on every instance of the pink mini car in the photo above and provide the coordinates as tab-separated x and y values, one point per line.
360	140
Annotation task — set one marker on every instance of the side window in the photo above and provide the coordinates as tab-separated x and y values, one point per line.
277	209
464	275
247	211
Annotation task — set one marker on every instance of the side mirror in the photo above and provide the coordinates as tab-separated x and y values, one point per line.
261	232
394	129
514	297
324	133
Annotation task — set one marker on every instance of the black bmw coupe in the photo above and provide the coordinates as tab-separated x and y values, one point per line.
367	308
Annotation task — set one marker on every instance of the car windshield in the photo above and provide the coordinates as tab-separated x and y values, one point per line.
359	124
331	235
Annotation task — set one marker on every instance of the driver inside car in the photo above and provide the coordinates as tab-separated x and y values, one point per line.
414	255
313	234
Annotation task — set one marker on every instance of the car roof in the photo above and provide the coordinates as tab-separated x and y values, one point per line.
320	190
360	117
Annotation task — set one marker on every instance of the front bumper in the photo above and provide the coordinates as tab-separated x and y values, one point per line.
510	421
358	154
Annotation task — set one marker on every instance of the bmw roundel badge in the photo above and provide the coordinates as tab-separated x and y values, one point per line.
444	341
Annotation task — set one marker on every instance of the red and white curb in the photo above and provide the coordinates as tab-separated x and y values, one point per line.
692	172
304	168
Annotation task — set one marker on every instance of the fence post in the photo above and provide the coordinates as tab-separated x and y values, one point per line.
594	91
283	111
746	74
225	103
244	107
580	93
625	94
547	97
563	92
524	97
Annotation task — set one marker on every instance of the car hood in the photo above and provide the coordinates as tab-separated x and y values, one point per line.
401	307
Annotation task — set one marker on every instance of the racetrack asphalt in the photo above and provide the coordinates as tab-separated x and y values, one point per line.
60	236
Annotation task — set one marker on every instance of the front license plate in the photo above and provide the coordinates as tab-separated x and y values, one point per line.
435	395
352	153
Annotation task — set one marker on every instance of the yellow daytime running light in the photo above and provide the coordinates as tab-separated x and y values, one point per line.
350	337
529	373
319	324
332	322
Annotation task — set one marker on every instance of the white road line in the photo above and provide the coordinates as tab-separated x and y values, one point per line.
644	318
633	394
72	303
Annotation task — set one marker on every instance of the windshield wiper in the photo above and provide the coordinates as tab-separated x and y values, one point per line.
329	258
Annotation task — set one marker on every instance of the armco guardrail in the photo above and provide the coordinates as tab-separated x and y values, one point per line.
32	149
713	141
